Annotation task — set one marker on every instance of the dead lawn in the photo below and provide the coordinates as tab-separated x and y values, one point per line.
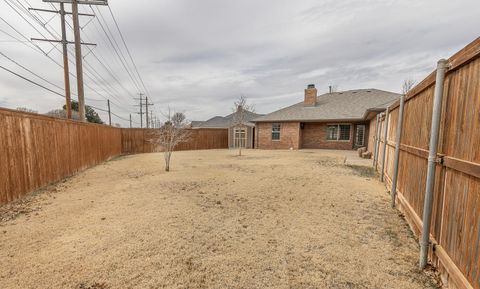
270	219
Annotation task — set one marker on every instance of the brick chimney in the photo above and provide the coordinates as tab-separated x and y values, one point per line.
310	95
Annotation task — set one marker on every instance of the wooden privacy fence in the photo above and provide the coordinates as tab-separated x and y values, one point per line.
37	150
455	224
137	140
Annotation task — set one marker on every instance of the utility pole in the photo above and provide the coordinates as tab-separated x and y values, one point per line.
66	72
109	113
141	109
78	61
146	109
78	49
141	112
151	119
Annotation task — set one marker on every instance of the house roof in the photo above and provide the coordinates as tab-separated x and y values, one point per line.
196	123
225	121
336	106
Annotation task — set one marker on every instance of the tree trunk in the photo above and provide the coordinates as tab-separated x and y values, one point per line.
167	161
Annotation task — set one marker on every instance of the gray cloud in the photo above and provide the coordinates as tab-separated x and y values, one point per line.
198	56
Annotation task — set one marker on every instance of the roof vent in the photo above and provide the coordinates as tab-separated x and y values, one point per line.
311	86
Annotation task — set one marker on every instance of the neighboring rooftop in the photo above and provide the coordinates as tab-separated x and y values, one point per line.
345	105
196	123
223	121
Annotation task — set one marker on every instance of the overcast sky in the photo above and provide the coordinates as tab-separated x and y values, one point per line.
199	56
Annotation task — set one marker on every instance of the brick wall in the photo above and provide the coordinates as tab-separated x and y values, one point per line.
314	136
289	136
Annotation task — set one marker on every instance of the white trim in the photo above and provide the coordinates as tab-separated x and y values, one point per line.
279	131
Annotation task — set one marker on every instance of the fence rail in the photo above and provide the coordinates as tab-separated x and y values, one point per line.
455	224
37	150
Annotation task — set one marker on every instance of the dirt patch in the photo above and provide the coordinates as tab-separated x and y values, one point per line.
363	171
28	205
93	286
270	219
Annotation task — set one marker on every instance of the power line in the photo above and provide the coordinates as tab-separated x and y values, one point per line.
46	80
95	76
103	63
114	45
55	47
31	81
126	47
128	50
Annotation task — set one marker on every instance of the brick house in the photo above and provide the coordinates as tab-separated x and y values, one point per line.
237	136
337	120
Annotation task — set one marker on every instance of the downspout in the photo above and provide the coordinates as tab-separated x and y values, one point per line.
432	160
385	132
393	192
376	143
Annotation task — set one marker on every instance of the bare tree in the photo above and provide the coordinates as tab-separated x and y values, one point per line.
407	85
332	88
25	109
61	113
240	118
171	133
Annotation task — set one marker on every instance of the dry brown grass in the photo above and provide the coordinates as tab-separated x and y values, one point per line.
270	219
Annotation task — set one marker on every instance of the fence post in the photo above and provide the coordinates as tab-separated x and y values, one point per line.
385	132
375	148
432	161
378	140
398	138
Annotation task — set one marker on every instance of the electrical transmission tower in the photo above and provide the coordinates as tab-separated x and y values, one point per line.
78	48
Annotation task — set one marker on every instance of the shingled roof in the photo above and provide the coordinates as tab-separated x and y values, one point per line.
351	105
225	121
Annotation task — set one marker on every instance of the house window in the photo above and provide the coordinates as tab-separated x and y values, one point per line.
338	132
275	131
240	137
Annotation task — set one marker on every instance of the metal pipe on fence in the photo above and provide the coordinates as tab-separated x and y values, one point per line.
375	148
432	161
378	139
387	117
398	138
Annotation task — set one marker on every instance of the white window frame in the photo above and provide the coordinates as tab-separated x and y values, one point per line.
279	131
239	141
338	132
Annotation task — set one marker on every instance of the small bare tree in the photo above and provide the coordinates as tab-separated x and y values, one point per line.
26	109
407	85
240	118
333	88
61	113
171	133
